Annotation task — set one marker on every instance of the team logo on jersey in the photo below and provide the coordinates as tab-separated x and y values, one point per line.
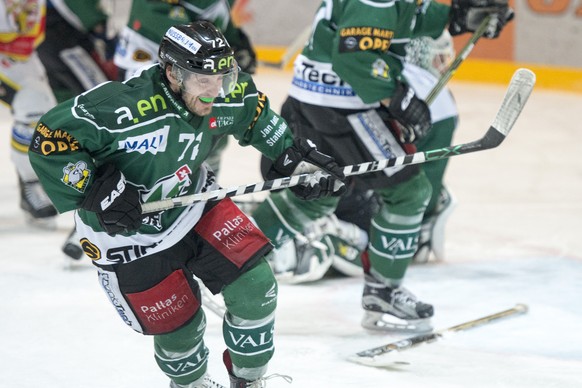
152	142
381	70
169	186
76	175
364	38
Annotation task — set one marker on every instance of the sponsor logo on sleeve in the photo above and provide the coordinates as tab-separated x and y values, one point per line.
364	38
47	141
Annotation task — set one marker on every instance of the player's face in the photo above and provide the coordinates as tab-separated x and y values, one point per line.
199	92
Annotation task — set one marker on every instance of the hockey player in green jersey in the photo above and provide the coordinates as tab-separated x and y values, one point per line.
349	95
108	150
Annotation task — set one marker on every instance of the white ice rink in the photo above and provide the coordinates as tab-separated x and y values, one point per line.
515	237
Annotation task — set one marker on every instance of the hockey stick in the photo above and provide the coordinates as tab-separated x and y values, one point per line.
463	54
515	98
371	357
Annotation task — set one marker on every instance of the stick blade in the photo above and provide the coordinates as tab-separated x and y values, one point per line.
517	94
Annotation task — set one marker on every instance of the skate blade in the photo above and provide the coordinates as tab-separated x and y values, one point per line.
392	361
376	321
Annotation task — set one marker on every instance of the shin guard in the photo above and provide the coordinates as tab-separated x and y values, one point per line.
249	322
395	229
182	355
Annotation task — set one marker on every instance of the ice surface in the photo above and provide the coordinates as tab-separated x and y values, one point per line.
514	238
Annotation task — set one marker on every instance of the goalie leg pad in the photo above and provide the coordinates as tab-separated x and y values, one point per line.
432	232
283	216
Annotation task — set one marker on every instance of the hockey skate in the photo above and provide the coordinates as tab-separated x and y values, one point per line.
204	382
239	382
36	204
397	309
72	248
432	230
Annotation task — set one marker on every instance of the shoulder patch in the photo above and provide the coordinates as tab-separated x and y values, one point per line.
46	141
364	38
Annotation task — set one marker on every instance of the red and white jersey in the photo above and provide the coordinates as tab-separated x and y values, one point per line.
22	26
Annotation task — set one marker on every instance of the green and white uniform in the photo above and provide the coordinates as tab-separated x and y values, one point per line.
144	130
143	120
352	61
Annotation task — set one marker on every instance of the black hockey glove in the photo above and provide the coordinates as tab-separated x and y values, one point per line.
409	114
466	15
303	157
116	203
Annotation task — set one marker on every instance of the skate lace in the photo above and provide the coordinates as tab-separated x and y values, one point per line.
209	383
262	382
401	296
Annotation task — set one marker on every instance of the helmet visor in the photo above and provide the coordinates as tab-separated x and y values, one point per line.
207	86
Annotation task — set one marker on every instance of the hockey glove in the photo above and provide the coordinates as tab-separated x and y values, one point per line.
467	15
303	157
116	203
409	114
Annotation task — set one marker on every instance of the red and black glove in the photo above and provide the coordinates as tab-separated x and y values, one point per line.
303	157
117	204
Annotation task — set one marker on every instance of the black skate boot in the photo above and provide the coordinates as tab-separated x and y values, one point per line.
37	205
72	248
387	308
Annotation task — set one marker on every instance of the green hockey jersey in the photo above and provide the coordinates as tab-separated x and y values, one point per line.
356	48
143	128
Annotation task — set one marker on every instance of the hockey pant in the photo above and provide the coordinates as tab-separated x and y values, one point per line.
159	295
28	96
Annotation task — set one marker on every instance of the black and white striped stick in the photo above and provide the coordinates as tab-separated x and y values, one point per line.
516	96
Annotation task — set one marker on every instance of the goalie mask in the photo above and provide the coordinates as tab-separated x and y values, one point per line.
202	62
434	55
